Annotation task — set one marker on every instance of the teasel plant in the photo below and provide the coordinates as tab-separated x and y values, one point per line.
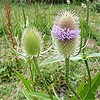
66	34
31	48
66	38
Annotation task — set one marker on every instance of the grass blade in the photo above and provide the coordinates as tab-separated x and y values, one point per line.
26	83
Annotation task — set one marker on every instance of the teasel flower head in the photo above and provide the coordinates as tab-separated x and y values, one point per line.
31	42
66	33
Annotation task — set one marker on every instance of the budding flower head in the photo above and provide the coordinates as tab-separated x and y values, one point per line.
31	42
65	33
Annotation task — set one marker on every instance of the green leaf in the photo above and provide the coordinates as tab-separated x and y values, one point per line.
41	95
94	55
61	58
68	93
95	84
73	98
76	58
27	96
81	87
52	60
55	93
26	83
89	94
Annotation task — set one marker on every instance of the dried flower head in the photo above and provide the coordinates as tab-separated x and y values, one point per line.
31	42
66	32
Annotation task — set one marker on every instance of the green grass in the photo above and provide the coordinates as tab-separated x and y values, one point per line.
42	17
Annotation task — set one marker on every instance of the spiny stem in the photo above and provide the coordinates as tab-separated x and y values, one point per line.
41	76
67	79
87	67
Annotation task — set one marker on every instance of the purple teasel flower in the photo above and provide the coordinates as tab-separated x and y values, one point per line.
63	34
66	33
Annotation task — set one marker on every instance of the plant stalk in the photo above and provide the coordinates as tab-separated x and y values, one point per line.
41	76
87	67
67	79
30	66
86	36
87	23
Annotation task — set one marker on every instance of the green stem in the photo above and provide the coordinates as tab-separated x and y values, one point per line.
31	66
41	76
67	79
30	69
24	16
87	67
86	36
87	22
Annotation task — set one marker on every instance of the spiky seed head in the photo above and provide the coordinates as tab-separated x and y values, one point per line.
65	33
31	42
